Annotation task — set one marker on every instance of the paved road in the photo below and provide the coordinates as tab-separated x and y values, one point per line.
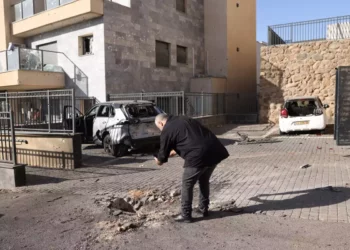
263	177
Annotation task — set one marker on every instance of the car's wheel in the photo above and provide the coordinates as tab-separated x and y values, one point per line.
282	133
114	150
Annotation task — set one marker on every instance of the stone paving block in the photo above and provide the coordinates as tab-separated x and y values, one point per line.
266	177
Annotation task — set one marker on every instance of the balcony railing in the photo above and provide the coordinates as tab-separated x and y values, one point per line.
28	8
335	28
47	61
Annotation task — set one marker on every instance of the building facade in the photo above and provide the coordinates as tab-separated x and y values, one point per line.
120	46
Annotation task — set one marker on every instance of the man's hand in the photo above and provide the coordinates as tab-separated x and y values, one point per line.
172	153
158	162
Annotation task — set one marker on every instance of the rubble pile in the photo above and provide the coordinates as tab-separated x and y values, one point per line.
131	211
226	207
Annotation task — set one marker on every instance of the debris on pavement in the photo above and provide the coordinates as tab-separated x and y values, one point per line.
305	166
175	192
117	212
227	207
127	226
243	136
55	199
121	204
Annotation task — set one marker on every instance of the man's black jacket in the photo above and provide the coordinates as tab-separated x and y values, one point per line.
192	141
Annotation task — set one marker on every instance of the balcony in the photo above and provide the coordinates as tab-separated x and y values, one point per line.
29	69
32	17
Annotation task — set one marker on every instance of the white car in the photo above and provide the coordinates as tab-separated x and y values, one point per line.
118	126
302	114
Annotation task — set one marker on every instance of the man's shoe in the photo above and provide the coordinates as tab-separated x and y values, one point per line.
183	219
203	212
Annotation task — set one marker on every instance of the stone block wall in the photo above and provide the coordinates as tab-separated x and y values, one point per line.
304	69
130	41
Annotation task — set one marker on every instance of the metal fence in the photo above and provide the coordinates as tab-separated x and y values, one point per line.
7	138
334	28
170	102
41	111
196	104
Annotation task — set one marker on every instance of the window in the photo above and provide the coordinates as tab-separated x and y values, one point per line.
181	54
51	4
181	5
103	111
162	54
92	111
86	45
142	111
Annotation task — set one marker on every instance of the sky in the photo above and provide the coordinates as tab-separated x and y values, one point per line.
272	12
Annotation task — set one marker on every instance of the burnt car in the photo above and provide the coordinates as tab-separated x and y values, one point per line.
118	126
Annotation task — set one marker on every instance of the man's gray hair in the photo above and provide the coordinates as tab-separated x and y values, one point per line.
161	117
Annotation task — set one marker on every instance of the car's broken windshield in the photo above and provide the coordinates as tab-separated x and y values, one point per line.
303	107
141	111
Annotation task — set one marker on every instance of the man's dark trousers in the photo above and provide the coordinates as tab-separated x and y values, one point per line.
189	178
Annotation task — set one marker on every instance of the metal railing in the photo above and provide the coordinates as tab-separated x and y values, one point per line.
7	138
41	111
170	102
334	28
47	61
28	8
196	104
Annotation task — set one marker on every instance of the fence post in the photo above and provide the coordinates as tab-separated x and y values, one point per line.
177	105
42	60
73	111
7	102
7	61
202	103
13	140
183	103
291	33
217	104
49	109
141	96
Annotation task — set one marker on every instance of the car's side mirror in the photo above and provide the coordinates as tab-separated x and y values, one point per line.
326	106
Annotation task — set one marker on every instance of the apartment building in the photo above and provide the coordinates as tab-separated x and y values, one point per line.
99	47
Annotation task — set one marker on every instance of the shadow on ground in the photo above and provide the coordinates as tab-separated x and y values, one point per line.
301	199
32	179
214	215
105	160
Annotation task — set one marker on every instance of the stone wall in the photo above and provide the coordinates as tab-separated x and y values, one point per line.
130	38
305	69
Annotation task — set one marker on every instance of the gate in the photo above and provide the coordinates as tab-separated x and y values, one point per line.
342	109
7	139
